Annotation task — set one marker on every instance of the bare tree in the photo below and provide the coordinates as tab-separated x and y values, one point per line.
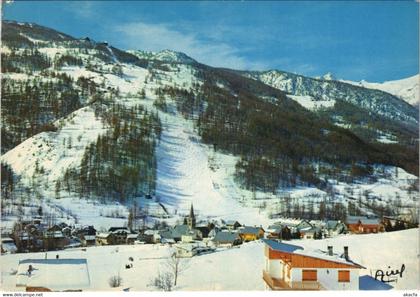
176	266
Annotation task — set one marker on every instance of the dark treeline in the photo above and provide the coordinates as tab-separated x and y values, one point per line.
30	106
27	60
121	163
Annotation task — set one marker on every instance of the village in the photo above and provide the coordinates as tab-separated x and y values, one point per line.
287	266
192	235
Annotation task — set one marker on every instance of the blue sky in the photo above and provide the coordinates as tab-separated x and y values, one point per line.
375	41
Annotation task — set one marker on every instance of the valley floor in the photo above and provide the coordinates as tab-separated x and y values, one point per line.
238	268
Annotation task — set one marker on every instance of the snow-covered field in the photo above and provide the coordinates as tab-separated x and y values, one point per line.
238	268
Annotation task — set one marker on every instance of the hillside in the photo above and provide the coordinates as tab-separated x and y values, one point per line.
406	89
83	119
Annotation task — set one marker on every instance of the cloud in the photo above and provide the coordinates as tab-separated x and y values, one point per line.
156	37
83	9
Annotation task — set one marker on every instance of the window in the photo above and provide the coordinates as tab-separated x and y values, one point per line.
309	275
344	276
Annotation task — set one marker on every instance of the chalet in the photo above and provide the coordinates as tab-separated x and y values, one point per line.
359	225
150	236
54	239
290	267
89	230
120	234
227	239
291	224
334	228
310	233
186	251
105	238
204	229
177	232
248	233
131	238
394	223
279	232
67	231
304	224
88	240
81	231
232	225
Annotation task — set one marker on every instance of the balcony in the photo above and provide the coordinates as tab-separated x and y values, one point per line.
277	284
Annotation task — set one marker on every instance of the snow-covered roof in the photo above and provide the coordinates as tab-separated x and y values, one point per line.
151	232
283	247
54	274
229	237
310	230
116	229
314	253
249	230
363	220
131	236
167	240
103	235
89	237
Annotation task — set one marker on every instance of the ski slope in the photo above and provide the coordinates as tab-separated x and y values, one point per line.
185	178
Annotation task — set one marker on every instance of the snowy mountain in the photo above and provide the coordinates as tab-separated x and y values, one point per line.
83	119
326	88
407	89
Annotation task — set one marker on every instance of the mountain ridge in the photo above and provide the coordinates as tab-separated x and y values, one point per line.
250	138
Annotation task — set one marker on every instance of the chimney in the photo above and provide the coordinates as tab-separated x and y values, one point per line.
346	253
330	250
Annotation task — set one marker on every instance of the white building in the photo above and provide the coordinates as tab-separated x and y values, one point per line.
53	274
290	267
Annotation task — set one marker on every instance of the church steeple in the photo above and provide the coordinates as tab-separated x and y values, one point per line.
191	218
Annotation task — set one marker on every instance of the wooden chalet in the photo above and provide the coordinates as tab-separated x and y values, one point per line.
290	267
248	233
363	225
105	239
88	240
279	232
232	225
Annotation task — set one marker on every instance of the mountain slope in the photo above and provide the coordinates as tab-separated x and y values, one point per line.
407	89
163	131
375	101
